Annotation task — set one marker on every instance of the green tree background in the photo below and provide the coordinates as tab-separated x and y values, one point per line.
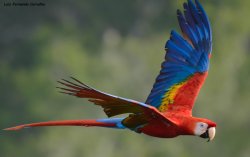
116	46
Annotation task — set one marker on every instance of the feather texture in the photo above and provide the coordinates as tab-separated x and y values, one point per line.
112	105
186	56
110	123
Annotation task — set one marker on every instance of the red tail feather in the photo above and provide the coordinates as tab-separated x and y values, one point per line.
64	123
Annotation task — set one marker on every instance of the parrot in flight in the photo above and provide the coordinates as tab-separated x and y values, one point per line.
167	112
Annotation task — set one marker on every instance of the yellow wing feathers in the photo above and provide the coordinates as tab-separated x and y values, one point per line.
170	95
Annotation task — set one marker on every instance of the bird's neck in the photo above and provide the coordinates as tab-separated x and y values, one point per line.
187	125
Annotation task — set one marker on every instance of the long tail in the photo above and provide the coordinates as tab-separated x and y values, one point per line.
110	123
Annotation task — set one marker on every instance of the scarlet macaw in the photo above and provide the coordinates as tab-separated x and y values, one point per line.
167	111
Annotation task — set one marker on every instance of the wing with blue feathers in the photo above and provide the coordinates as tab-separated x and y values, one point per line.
186	62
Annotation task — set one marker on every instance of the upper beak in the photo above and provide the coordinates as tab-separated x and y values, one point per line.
211	133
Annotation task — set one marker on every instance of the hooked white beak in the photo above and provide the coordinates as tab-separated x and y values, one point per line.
211	133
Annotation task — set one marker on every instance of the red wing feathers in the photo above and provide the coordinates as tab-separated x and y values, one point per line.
112	105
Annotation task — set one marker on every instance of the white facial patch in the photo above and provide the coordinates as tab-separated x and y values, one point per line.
200	128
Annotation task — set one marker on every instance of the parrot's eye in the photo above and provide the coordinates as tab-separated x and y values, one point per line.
203	125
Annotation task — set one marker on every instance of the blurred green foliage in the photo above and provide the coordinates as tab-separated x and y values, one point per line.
116	46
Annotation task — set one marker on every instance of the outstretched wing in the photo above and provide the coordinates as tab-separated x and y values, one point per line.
112	105
186	62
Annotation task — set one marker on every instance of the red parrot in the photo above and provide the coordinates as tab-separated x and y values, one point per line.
167	111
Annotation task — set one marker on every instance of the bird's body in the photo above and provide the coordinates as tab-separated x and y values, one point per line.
167	111
165	130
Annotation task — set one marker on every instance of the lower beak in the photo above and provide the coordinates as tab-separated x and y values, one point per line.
211	133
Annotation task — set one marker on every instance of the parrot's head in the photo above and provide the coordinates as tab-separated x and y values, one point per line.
205	129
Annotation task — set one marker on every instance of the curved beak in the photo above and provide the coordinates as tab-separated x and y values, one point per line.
211	133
